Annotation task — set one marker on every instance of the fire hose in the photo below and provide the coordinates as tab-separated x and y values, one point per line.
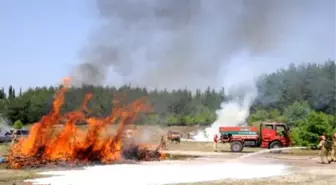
313	147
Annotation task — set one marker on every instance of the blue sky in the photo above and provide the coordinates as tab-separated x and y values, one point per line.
40	40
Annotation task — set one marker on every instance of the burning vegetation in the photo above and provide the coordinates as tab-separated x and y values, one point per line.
75	146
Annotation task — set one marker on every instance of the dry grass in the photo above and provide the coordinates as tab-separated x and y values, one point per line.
4	149
8	177
297	179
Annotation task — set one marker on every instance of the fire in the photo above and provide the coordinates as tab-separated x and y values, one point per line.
72	144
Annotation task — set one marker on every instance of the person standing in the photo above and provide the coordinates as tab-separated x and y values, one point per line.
215	141
163	143
333	149
14	136
323	150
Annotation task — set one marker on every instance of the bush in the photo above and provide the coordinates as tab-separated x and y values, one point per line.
280	119
274	114
295	112
310	128
18	124
259	115
295	136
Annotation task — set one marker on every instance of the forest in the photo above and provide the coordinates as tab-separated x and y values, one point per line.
301	95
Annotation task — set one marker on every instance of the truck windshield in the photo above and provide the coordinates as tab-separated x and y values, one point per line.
268	127
281	130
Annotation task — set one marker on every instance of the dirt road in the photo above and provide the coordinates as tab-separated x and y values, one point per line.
306	169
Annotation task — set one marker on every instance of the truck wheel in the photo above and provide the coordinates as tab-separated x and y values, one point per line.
236	146
274	145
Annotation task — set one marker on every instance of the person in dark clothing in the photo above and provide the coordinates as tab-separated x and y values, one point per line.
163	143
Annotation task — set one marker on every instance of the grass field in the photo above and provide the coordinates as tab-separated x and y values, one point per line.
3	149
8	176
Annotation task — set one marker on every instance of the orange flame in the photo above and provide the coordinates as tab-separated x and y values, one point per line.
72	143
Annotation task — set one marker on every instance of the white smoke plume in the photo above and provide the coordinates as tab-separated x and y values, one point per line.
187	43
235	111
4	124
200	43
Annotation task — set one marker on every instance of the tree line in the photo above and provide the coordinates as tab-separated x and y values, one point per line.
301	95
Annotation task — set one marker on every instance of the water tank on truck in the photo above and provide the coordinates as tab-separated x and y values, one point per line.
270	135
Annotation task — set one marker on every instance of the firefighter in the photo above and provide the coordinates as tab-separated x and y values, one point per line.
169	133
163	143
215	141
324	153
333	149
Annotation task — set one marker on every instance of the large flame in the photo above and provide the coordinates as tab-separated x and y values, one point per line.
72	144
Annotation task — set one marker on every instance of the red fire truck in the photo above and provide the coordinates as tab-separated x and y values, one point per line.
270	135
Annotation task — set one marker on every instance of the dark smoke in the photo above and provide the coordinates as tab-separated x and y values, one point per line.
179	43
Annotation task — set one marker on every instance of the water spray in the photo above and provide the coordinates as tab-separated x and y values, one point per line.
271	150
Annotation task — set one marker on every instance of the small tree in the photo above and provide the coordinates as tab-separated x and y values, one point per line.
274	114
174	120
18	124
259	115
295	112
295	135
188	119
311	127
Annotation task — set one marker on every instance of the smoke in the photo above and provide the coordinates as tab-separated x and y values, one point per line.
200	43
4	124
231	113
178	43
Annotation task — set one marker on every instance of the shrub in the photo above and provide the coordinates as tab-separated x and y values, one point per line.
18	124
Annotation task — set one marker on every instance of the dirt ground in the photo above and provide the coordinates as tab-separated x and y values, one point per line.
307	169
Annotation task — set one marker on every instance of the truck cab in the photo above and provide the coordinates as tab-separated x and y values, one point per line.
274	135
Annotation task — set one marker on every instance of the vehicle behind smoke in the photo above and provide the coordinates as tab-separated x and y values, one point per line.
6	136
174	136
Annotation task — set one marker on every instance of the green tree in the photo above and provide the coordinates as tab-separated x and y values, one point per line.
259	115
188	119
311	127
274	114
18	124
289	94
295	135
173	120
296	111
2	94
